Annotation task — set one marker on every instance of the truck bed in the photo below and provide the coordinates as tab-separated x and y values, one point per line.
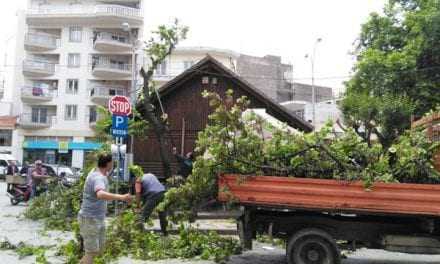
331	195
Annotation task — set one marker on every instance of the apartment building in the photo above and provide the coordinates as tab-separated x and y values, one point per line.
184	58
71	56
268	73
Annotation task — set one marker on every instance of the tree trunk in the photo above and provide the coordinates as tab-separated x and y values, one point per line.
160	127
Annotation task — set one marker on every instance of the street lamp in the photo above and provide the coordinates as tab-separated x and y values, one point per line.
127	28
312	59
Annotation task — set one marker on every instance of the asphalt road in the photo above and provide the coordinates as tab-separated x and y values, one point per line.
15	228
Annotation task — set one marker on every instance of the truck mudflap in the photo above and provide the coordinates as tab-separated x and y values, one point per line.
412	244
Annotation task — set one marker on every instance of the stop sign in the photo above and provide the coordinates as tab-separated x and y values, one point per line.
119	105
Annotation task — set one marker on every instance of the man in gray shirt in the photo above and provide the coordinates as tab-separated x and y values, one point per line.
94	208
151	192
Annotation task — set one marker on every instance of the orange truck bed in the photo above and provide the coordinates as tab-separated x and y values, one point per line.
331	195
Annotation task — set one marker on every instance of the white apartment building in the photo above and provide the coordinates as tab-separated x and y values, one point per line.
71	56
267	73
183	58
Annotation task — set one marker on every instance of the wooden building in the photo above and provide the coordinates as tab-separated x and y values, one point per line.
188	111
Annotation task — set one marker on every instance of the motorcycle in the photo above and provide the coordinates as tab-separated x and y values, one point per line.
18	193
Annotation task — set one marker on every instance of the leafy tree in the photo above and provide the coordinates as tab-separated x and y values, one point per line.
397	73
159	47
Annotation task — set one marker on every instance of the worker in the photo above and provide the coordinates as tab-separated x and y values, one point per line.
185	163
38	176
91	217
151	193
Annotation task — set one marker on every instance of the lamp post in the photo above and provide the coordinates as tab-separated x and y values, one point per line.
127	28
312	59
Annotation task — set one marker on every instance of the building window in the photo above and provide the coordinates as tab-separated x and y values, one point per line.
114	91
74	60
187	64
72	86
205	80
162	69
39	115
93	114
5	138
71	112
75	34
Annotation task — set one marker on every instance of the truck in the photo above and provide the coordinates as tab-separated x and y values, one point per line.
318	218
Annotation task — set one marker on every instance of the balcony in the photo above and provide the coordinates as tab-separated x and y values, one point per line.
38	68
31	94
111	69
34	121
101	95
110	42
40	42
103	14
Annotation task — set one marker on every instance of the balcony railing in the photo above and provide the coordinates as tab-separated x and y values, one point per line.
39	66
108	64
101	95
112	10
37	93
111	37
118	10
35	120
107	91
41	40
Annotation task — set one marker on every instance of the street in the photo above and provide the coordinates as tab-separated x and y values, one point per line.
15	228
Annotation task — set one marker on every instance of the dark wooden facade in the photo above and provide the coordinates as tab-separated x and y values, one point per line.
188	111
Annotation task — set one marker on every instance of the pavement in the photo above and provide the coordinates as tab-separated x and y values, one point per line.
15	228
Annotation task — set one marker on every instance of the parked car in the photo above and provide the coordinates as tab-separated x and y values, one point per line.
4	161
69	176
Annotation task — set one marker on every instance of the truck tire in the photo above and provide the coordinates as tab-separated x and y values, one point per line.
312	246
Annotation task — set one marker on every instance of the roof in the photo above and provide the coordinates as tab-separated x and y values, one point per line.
205	50
271	105
8	122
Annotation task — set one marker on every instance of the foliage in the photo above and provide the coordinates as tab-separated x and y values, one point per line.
397	70
385	116
124	239
233	144
137	171
23	250
59	206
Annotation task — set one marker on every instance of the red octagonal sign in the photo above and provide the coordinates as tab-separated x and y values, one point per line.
119	105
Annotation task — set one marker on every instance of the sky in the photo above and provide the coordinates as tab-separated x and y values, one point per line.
287	28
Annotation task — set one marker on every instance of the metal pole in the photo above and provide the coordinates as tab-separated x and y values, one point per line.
118	143
313	92
313	82
133	82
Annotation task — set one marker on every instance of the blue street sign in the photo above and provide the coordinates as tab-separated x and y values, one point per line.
119	126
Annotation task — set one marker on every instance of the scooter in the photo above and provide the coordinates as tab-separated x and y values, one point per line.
18	193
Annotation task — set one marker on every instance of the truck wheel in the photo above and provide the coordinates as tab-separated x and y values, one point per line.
312	246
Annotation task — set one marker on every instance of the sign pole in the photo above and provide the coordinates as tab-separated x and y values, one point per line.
118	143
120	108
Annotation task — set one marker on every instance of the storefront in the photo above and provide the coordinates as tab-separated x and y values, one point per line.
58	152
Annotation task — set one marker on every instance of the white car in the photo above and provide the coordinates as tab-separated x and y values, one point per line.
4	162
